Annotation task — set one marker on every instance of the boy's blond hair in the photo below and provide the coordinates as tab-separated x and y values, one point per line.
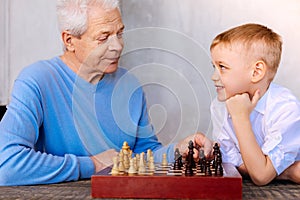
258	41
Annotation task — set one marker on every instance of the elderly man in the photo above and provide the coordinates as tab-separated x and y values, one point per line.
69	115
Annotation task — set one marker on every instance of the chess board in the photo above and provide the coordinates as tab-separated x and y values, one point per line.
165	183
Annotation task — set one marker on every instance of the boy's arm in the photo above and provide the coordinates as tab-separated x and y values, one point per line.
258	165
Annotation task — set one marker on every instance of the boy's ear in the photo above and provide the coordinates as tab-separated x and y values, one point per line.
259	71
67	40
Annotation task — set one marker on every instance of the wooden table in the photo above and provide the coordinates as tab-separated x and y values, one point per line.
82	190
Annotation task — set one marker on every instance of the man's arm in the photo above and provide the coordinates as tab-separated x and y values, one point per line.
20	163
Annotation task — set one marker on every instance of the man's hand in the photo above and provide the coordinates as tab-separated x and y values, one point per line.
104	159
199	140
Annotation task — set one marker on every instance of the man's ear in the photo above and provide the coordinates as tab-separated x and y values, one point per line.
67	40
259	71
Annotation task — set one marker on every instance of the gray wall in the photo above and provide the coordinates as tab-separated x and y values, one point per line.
167	43
168	40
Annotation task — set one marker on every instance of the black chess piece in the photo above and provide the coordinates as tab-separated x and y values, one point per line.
207	168
189	162
215	153
202	161
178	160
190	157
189	169
219	167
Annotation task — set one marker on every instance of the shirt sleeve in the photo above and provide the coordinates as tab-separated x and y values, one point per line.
282	135
20	162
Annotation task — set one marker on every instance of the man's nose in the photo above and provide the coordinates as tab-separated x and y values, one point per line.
116	44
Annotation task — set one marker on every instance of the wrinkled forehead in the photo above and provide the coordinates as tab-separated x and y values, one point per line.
98	17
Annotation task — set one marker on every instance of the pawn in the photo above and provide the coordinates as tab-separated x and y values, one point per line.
135	164
202	161
207	168
189	169
215	153
132	169
219	167
178	160
115	168
164	162
126	161
151	164
149	154
121	166
142	168
137	156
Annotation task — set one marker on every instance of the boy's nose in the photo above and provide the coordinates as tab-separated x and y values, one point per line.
215	76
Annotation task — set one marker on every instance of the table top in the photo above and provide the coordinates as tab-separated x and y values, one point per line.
82	190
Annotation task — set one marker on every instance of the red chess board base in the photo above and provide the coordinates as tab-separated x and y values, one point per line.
162	186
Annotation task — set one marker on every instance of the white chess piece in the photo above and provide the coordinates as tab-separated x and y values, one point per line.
142	168
115	169
151	164
164	162
131	169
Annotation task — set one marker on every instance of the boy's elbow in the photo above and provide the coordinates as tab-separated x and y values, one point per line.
261	179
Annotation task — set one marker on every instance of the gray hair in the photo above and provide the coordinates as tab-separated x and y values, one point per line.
72	15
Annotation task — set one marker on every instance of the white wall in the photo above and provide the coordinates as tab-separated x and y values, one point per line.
179	38
30	34
170	56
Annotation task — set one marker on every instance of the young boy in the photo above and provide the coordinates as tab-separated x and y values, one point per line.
256	122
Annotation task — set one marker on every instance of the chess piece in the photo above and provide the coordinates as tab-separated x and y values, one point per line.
137	156
164	162
189	162
202	161
207	168
142	168
149	154
126	161
216	150
121	166
151	164
125	147
178	160
115	168
135	163
132	169
219	167
190	157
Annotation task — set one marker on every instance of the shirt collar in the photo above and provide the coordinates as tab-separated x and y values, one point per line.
261	104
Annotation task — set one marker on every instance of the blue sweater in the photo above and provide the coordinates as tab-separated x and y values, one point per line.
56	120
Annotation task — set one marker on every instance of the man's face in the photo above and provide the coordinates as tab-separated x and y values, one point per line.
100	47
231	75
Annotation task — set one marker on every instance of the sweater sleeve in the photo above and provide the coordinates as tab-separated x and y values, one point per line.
20	162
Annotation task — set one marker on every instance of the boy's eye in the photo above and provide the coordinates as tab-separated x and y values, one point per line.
222	67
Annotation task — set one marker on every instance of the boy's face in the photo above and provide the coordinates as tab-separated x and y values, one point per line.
231	75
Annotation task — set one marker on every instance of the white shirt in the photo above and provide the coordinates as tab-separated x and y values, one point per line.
275	123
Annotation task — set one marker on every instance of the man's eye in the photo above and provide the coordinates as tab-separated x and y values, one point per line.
102	39
120	35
